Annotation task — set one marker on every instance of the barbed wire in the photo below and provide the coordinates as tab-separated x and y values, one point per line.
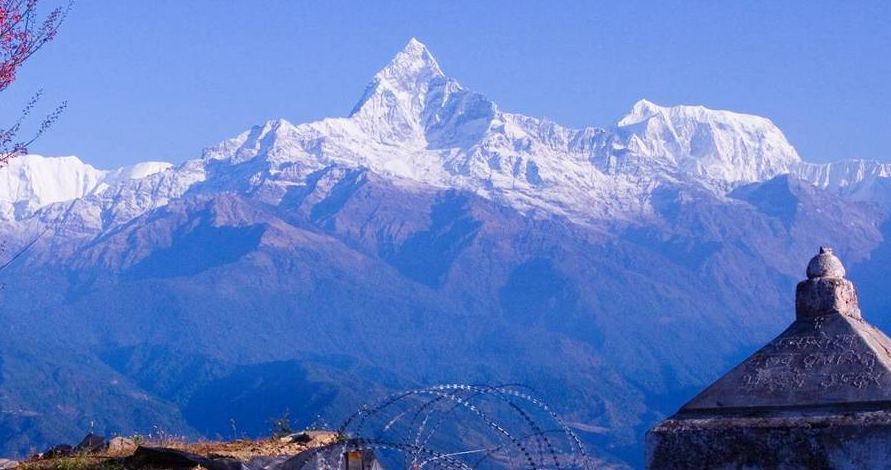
502	425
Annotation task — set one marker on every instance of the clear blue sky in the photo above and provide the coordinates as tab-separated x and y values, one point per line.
162	79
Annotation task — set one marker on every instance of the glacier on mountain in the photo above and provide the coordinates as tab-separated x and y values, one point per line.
700	142
34	181
858	180
415	125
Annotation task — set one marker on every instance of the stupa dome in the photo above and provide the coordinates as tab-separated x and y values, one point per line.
825	264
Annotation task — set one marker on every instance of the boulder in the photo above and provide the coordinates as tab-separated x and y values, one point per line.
297	437
162	457
121	445
61	450
92	443
306	437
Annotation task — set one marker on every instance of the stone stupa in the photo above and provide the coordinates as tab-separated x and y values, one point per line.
817	396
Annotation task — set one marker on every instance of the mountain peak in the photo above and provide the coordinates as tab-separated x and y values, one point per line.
38	181
409	72
413	62
398	92
724	145
641	110
413	46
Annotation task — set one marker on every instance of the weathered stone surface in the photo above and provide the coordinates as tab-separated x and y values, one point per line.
826	291
826	296
817	396
832	359
825	264
857	440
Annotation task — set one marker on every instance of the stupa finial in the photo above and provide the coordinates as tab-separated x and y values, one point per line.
826	291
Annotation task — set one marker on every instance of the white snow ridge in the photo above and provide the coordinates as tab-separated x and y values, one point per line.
34	181
415	125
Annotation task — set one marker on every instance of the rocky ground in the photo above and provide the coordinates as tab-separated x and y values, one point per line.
96	452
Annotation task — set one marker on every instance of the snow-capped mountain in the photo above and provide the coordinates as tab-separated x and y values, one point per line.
702	143
859	180
614	269
417	126
34	181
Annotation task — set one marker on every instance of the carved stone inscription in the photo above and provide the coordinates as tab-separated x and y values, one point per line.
814	361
